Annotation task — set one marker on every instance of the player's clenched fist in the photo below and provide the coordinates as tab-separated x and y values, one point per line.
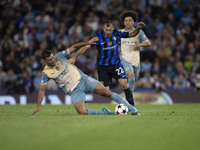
141	25
93	40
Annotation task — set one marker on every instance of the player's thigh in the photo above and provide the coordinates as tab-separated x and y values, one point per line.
92	85
128	68
78	98
77	95
120	76
104	77
119	72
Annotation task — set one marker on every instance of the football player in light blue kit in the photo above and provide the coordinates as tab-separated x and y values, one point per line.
74	82
130	48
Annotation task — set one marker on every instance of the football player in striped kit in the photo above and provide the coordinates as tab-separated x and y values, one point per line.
108	60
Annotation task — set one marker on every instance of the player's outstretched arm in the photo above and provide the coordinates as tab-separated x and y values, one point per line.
137	30
40	98
143	44
78	53
78	45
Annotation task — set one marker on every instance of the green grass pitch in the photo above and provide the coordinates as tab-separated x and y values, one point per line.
58	127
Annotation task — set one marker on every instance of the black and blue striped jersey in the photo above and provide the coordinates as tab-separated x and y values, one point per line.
108	52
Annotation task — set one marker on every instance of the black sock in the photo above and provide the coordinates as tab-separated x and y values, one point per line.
129	96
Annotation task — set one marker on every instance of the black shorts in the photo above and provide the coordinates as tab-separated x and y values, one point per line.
106	73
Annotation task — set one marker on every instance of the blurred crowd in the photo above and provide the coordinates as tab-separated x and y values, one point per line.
27	27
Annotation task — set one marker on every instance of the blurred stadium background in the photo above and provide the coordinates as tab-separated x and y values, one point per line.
170	65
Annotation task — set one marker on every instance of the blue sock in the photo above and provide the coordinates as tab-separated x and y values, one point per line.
95	112
129	96
117	98
131	83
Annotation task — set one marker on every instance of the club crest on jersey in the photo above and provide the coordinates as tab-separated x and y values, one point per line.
110	43
127	68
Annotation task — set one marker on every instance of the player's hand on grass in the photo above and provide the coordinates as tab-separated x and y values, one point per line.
36	110
141	25
93	40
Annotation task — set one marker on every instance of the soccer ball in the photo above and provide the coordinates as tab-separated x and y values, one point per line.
121	109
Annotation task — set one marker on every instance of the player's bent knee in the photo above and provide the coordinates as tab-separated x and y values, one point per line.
82	112
124	85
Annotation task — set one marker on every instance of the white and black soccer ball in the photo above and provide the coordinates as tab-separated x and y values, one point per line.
121	109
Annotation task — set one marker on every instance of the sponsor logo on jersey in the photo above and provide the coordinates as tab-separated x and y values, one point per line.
110	48
128	42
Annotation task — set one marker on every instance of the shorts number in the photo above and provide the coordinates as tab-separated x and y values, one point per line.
120	70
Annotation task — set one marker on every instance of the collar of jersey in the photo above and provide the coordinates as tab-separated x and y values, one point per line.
49	66
129	31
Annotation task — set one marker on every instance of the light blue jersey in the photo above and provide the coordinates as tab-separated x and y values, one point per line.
130	55
65	74
129	51
68	77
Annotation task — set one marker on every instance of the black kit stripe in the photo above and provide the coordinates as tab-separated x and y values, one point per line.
98	55
99	49
112	51
105	45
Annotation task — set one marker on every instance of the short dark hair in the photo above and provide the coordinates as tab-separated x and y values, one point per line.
107	23
128	14
46	53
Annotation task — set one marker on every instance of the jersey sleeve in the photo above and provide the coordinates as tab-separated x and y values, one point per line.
45	79
142	37
123	34
63	54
